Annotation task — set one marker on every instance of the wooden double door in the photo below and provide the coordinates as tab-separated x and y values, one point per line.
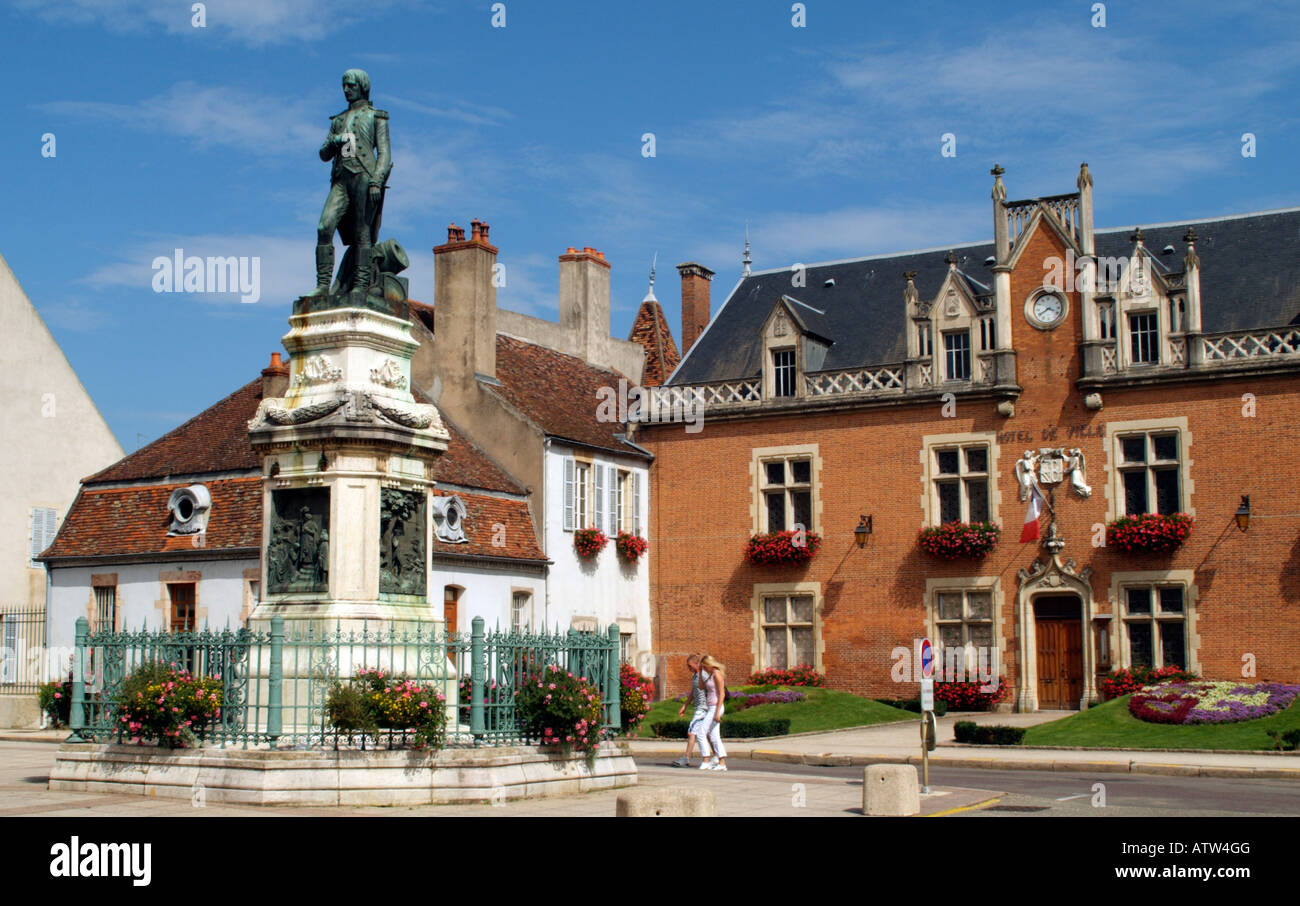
1058	629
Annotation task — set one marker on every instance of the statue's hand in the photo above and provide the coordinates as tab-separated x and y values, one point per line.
374	192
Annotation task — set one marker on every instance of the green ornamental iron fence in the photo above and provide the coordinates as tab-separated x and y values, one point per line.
275	685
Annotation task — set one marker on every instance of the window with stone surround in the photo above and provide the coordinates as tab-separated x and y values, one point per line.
956	349
961	483
1155	624
788	631
1149	469
783	372
787	493
963	619
105	608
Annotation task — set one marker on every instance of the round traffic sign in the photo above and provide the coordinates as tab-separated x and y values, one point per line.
927	659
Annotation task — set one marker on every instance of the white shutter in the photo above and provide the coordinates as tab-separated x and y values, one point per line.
636	503
44	526
51	527
568	494
36	532
611	483
599	521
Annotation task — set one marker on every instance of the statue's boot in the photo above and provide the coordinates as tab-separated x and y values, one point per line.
365	264
324	269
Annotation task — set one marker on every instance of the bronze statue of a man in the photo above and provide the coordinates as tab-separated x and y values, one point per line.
358	144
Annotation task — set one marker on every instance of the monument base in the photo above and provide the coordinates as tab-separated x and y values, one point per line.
340	778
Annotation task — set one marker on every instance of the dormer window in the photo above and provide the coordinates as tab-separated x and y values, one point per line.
956	349
1144	338
783	372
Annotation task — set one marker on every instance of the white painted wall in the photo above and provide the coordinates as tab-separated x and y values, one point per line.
488	593
53	437
142	598
606	589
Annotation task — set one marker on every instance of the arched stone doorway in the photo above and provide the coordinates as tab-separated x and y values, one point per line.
1054	610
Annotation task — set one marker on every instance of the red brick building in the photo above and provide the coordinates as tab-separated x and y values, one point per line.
1144	371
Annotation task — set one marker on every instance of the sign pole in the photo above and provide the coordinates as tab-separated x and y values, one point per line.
929	728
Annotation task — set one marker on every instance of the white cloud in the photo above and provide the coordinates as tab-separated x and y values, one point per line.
255	23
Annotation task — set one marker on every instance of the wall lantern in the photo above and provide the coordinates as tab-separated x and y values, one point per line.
862	531
1243	513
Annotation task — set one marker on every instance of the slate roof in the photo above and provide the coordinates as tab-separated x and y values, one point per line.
650	329
116	515
1250	278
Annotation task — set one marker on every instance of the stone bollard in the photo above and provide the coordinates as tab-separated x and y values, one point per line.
667	802
890	790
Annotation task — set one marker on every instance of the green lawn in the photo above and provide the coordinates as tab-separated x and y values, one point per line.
824	709
1112	726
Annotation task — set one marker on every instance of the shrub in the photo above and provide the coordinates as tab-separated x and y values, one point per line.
970	695
1125	681
731	729
561	710
739	701
589	542
788	548
957	540
967	731
914	705
374	700
635	692
1149	533
55	699
630	547
1285	742
167	704
802	675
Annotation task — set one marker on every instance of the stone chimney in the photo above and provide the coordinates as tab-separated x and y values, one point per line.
584	302
465	304
275	378
695	302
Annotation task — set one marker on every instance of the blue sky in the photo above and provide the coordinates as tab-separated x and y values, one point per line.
826	139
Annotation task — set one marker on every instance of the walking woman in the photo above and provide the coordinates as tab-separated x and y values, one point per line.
699	720
715	690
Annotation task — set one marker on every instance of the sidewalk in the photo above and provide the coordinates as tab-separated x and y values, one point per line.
900	743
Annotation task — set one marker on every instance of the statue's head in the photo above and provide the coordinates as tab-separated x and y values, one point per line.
356	84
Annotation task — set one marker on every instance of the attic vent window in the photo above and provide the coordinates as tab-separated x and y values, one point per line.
829	282
990	261
190	508
1167	250
449	520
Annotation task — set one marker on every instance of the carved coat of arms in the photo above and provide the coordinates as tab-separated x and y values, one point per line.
1050	466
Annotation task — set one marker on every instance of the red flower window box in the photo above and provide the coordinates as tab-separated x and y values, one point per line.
787	548
589	542
958	540
630	547
1149	533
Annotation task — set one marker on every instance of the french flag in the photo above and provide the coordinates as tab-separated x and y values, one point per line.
1030	531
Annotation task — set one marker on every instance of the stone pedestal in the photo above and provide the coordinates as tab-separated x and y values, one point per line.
347	456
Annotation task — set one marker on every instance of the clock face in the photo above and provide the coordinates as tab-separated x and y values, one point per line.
1047	310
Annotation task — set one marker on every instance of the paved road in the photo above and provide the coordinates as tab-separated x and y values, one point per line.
1071	794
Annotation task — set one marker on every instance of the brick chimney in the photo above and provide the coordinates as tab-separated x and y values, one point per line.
275	378
695	302
584	302
465	304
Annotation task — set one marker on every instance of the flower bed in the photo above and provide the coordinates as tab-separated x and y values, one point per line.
561	709
787	548
959	540
1124	681
1205	702
630	547
970	696
1149	533
635	693
739	701
167	705
802	675
589	542
372	701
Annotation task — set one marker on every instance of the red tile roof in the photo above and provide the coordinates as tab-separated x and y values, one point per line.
484	515
215	440
558	393
651	330
131	521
